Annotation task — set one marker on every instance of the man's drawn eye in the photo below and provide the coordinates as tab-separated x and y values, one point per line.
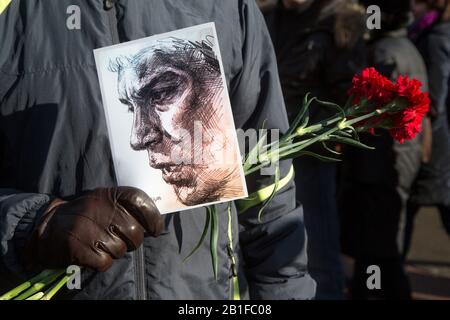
162	91
164	95
128	104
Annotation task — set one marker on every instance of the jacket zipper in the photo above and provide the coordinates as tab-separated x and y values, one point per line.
139	272
138	255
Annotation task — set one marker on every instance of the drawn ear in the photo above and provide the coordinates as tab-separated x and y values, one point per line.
117	64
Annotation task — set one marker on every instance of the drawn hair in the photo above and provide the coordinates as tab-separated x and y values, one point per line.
198	61
197	58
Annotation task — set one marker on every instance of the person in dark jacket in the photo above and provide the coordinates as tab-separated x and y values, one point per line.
54	145
432	186
377	183
319	48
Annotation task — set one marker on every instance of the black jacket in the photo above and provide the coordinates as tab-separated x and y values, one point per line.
376	184
311	57
314	56
433	184
53	142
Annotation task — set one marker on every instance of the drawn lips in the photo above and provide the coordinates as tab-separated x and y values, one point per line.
169	169
176	174
172	173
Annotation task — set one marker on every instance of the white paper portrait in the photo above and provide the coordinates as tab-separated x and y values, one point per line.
169	118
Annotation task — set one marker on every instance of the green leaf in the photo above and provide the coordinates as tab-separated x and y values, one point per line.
311	154
275	189
306	103
291	146
355	133
332	105
253	154
252	157
345	133
203	236
350	142
305	120
214	240
324	144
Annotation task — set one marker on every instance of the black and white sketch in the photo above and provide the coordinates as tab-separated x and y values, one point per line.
167	94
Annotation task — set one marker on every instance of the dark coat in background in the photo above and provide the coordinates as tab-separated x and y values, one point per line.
54	142
318	51
433	184
376	184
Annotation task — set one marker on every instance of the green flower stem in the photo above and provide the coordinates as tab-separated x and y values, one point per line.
349	123
285	143
311	129
24	286
318	138
36	296
317	127
289	148
53	290
257	167
41	284
336	128
285	147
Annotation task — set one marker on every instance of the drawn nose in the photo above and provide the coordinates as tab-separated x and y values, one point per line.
145	132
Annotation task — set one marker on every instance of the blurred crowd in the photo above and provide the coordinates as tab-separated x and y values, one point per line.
361	212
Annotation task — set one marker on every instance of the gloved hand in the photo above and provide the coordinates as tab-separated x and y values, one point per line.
92	229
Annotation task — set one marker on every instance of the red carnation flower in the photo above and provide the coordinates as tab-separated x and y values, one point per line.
372	86
408	122
403	105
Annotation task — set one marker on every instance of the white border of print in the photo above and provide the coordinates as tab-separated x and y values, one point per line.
211	25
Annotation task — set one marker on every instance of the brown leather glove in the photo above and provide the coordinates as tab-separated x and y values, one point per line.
93	229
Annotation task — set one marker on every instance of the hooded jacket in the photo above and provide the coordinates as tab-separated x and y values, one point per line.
54	143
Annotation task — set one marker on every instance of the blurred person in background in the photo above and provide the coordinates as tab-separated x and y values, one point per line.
376	184
431	33
319	48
